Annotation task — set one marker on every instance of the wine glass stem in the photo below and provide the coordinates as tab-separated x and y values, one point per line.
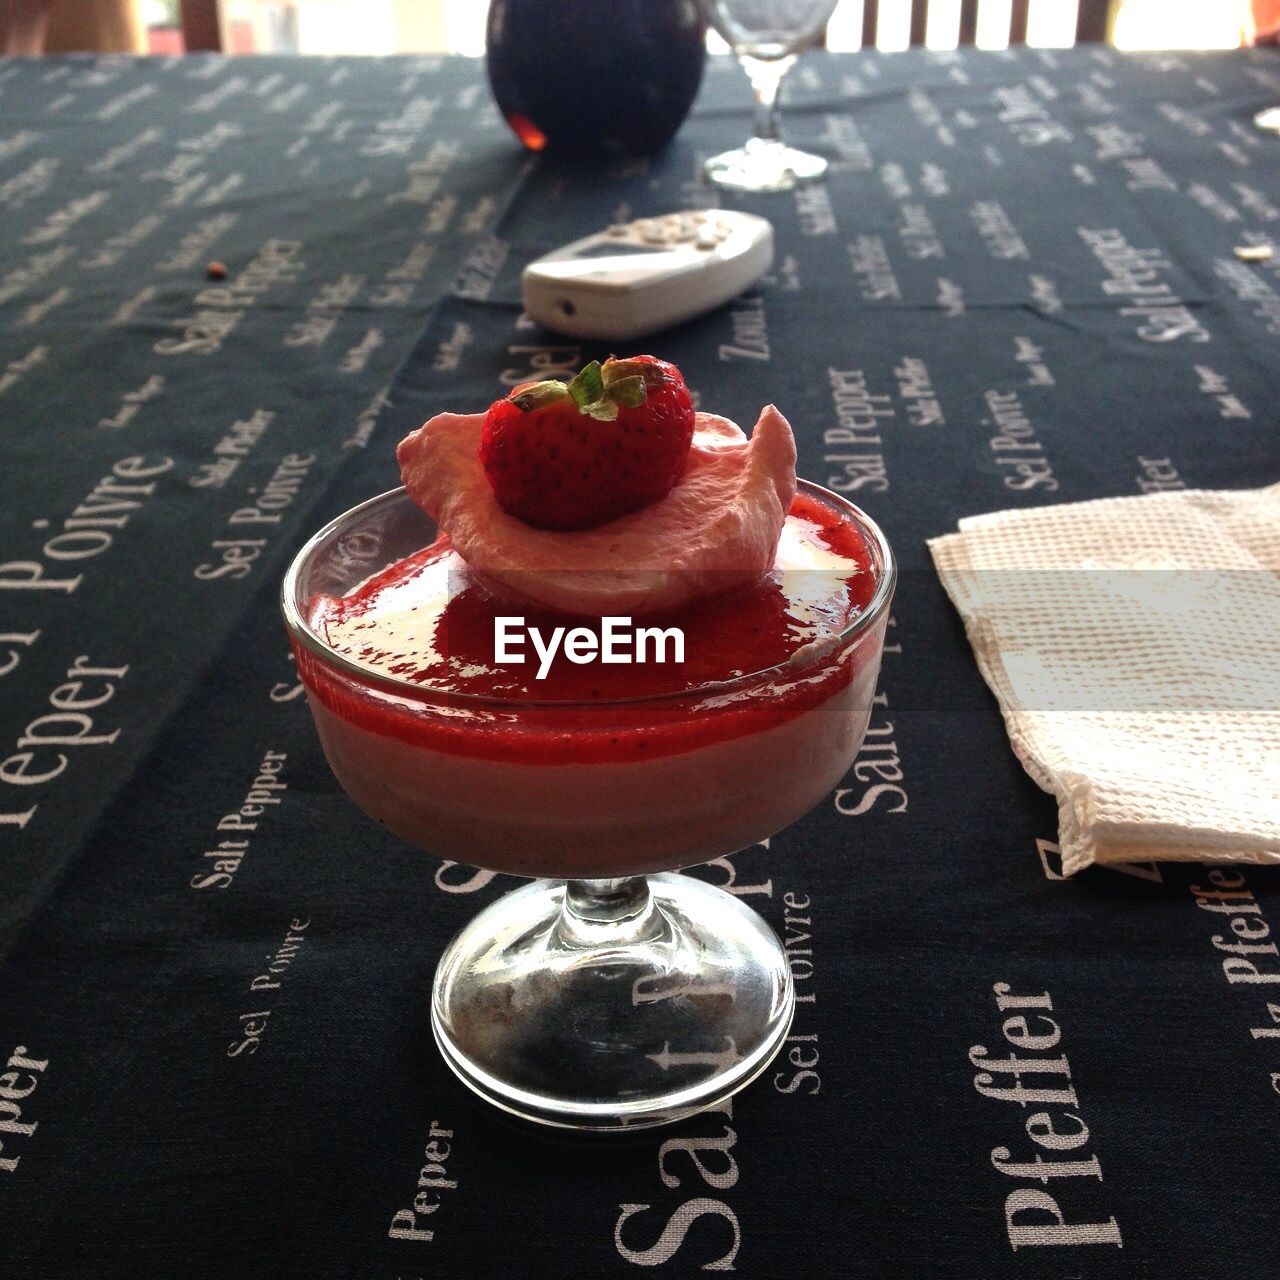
766	76
614	911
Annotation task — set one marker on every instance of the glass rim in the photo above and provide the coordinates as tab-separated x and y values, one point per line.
301	631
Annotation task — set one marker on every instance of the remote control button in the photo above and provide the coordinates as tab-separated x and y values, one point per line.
618	229
706	242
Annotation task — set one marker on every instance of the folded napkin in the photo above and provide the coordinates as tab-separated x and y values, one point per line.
1134	647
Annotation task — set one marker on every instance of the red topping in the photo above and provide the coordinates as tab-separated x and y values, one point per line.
752	629
579	454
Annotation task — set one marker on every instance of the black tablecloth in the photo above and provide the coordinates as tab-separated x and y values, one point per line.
1018	286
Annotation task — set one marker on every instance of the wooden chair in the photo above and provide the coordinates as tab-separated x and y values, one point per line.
201	29
100	26
1093	21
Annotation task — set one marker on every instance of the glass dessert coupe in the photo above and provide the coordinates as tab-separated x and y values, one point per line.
607	993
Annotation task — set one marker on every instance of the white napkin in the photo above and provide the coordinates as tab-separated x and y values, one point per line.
1134	647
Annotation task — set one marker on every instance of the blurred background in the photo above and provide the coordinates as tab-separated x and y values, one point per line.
457	26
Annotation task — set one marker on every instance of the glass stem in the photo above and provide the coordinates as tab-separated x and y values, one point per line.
611	912
766	76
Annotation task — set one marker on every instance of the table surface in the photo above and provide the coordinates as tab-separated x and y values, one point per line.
1017	287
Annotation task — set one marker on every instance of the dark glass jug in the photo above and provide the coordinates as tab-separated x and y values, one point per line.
595	77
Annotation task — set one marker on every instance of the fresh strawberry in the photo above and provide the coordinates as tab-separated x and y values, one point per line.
579	454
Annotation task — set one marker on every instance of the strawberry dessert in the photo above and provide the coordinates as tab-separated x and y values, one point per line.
597	634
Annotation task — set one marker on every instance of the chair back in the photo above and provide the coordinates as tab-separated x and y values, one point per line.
1093	21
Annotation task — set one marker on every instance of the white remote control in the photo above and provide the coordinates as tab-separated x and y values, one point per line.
638	277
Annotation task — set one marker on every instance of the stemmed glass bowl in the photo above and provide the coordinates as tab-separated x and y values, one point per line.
607	993
766	37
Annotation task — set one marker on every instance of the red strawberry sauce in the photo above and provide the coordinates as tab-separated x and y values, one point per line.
450	651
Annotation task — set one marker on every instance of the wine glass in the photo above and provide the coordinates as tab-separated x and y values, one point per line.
766	37
606	993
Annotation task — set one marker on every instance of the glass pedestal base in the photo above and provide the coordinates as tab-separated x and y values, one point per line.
764	165
612	1004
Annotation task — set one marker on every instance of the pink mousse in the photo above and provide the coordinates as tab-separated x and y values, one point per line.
718	528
